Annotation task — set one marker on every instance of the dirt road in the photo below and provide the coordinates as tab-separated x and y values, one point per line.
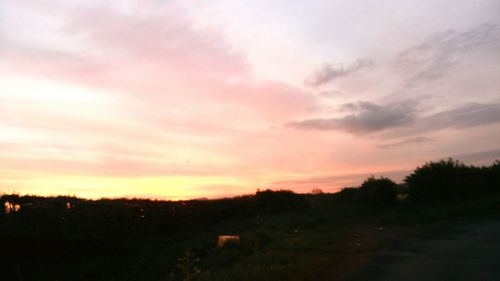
469	252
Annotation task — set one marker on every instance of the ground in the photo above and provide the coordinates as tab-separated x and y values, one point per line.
463	252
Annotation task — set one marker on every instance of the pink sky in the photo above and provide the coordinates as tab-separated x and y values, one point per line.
188	99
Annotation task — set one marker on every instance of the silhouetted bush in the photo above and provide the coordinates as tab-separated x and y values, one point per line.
347	195
373	193
378	192
280	201
451	180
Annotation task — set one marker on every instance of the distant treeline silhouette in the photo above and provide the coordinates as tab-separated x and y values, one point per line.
434	182
431	183
72	216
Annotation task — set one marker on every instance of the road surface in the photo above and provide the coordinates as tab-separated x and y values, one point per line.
469	252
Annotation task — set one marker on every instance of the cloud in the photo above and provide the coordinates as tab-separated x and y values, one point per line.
151	36
158	46
368	118
330	93
466	116
172	88
481	157
327	72
431	59
413	140
405	116
152	55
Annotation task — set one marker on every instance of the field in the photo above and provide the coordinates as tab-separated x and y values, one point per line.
312	237
281	235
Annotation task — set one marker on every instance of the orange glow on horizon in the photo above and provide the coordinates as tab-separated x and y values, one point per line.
169	188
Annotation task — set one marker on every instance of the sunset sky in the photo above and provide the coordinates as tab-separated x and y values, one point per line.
187	99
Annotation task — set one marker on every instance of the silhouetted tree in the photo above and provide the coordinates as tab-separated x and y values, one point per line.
378	192
450	180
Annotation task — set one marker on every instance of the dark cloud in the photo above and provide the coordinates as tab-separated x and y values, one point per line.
426	61
327	72
481	157
413	140
431	59
466	116
350	106
367	118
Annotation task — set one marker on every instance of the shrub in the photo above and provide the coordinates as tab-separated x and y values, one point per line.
381	192
447	180
279	201
347	195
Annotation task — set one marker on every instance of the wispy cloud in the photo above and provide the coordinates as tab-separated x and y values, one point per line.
408	141
405	116
478	157
367	117
431	59
151	57
328	72
466	116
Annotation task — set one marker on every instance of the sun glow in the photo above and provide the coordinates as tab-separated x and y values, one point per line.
169	188
184	99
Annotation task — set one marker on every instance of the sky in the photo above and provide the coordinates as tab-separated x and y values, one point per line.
183	99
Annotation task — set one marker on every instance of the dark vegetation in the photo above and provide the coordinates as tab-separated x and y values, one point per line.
451	180
372	194
284	235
